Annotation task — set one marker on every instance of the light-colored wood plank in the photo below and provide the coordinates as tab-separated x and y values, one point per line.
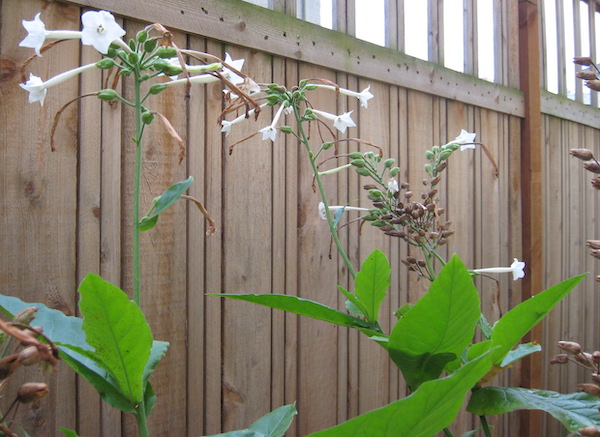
247	254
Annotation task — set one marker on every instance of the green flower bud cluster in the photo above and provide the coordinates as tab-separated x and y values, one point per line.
437	157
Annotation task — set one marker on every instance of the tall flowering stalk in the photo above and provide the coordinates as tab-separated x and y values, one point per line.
147	59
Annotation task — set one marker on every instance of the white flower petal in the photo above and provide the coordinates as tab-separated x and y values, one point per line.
237	64
393	186
36	88
268	133
518	269
343	121
99	30
465	137
36	34
364	96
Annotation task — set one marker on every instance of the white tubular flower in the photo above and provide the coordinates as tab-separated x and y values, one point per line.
393	186
340	122
335	170
192	68
199	79
226	125
517	268
38	88
364	96
99	30
230	75
332	209
270	132
37	34
465	139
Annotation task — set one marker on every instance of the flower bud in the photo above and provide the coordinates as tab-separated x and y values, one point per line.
586	75
105	64
32	391
133	58
591	389
25	316
570	346
107	94
583	60
440	168
147	117
389	162
362	171
360	163
560	359
157	88
287	130
141	36
355	155
593	244
592	166
589	431
150	45
29	356
429	155
445	154
394	171
165	52
583	154
326	145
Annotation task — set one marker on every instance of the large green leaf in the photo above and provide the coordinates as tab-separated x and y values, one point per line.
426	411
302	307
574	410
274	424
69	432
117	329
438	328
371	284
522	318
163	202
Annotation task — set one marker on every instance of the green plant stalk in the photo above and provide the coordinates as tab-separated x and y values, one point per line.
313	164
136	191
140	417
486	426
448	433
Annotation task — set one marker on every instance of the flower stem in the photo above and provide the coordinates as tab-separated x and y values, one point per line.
486	426
332	230
448	433
136	191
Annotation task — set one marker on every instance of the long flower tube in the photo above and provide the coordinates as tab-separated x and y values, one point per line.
364	96
517	268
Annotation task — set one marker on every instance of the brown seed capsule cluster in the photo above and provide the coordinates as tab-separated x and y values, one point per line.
590	361
24	346
591	75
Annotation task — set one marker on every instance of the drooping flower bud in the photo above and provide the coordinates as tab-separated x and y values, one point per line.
583	60
108	94
32	391
591	389
8	365
560	359
593	84
25	316
592	166
589	431
570	346
583	154
29	356
586	75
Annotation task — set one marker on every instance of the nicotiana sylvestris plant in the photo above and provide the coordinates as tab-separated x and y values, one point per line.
432	341
112	345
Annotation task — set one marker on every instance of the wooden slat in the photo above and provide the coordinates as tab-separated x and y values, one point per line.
531	158
229	21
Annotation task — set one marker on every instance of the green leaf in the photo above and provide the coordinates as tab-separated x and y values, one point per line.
274	424
372	283
99	378
149	398
353	304
119	333
69	432
438	328
521	351
426	411
574	410
300	306
401	312
522	318
163	202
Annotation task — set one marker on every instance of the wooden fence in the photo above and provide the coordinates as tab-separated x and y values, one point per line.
67	213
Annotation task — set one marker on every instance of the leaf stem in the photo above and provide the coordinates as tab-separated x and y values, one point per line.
140	417
448	433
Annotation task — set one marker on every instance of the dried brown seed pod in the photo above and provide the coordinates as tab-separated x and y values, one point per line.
586	75
583	60
596	182
592	165
32	391
596	378
584	358
570	346
583	154
589	431
29	356
593	84
408	194
560	359
593	244
25	316
591	389
370	187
